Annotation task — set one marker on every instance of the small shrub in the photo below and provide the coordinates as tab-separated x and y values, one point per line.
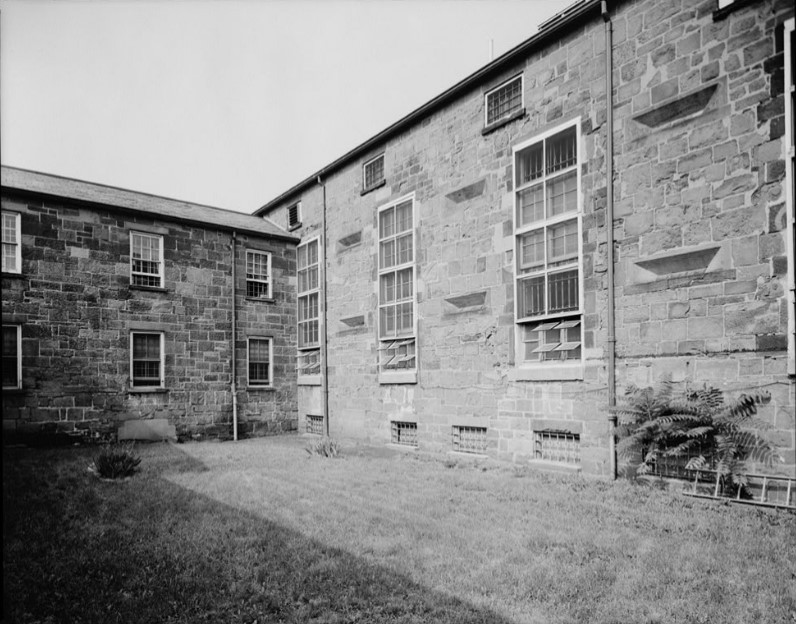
115	461
327	447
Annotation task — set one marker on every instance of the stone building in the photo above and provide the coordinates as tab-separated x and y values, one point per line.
126	311
610	202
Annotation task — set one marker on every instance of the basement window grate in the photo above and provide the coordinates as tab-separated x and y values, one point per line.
315	424
469	439
404	433
557	446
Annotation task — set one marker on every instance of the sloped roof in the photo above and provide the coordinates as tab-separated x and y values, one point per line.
110	197
559	25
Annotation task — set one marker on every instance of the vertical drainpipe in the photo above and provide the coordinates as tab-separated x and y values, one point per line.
234	337
324	319
609	229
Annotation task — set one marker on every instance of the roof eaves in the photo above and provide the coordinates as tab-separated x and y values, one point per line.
548	29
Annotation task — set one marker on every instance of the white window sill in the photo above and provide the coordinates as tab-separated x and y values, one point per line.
147	390
309	380
398	377
549	372
260	388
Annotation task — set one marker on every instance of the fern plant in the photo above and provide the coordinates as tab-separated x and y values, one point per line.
326	447
656	423
115	461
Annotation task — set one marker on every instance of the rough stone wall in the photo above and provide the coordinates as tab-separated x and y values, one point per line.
698	226
77	308
700	201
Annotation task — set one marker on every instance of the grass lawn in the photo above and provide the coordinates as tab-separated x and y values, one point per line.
260	531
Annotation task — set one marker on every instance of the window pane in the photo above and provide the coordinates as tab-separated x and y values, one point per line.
387	253
256	265
404	249
387	288
387	223
146	346
403	217
404	318
403	289
529	164
563	291
530	205
259	351
562	241
504	101
562	194
387	321
531	296
532	249
561	150
10	258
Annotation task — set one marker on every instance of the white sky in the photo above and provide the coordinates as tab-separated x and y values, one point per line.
229	103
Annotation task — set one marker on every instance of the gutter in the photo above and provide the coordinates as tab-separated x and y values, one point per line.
234	388
609	235
558	25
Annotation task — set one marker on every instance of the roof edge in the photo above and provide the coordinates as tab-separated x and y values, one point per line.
550	28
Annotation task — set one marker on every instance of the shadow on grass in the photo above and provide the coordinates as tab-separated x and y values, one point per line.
146	550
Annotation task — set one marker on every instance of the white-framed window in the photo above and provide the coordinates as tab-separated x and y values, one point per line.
309	295
294	215
260	361
504	100
396	287
373	172
12	242
547	248
147	361
258	274
790	185
146	259
12	357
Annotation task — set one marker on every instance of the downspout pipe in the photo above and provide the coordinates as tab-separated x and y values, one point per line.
609	230
234	338
324	319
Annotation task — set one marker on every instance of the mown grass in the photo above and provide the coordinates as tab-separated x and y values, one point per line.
261	531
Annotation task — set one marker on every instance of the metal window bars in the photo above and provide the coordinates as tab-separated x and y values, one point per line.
468	439
557	446
404	433
314	424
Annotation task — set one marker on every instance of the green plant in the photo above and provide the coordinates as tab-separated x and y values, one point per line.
115	461
655	423
327	447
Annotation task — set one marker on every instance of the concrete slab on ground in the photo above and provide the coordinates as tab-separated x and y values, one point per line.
155	429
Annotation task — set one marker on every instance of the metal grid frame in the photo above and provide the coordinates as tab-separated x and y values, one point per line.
557	446
314	424
467	439
403	433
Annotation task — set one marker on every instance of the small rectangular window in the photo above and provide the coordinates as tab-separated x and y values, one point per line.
12	242
557	446
258	274
260	361
146	359
146	260
373	173
469	439
504	101
315	424
294	216
12	357
404	433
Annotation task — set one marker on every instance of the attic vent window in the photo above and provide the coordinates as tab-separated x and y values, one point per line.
294	215
373	173
504	101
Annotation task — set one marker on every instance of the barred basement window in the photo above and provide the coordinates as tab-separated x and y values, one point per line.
146	260
547	224
373	173
12	357
12	242
146	359
504	101
314	424
397	333
260	361
294	216
557	446
469	439
258	272
404	433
